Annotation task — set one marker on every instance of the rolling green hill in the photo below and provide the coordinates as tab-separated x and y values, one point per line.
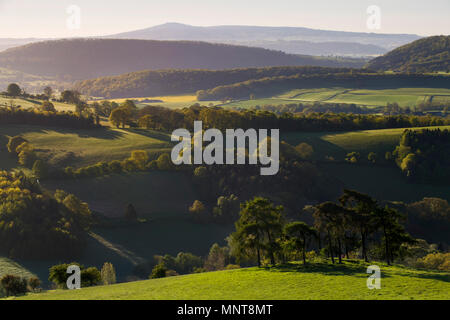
68	147
430	54
291	282
26	103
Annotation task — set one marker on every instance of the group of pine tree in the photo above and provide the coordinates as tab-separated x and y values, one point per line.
356	223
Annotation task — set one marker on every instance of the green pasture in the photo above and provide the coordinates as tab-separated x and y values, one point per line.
290	282
64	147
364	97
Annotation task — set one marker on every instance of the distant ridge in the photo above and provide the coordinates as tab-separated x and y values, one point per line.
295	40
81	59
244	34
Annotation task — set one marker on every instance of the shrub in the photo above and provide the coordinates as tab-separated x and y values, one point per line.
115	166
14	143
48	106
130	213
171	273
140	158
435	261
129	165
232	267
199	270
311	256
353	157
26	154
164	162
108	274
152	165
372	157
40	169
58	274
159	271
187	262
13	285
217	259
304	150
90	277
34	284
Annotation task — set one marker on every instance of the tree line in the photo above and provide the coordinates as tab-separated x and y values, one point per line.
160	118
46	118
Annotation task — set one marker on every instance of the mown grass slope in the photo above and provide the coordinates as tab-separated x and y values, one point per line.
364	97
8	266
27	103
77	148
172	102
290	282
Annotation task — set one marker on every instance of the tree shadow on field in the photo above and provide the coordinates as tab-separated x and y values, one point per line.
158	135
355	269
430	275
98	133
322	148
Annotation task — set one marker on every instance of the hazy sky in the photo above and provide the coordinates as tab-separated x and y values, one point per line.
48	18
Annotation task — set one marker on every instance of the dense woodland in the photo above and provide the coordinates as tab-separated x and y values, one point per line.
37	225
430	54
45	118
160	118
425	155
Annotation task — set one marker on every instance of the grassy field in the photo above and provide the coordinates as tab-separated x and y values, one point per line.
290	282
82	147
371	98
30	103
172	102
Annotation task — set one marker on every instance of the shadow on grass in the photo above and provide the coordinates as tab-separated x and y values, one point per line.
322	147
98	133
348	268
358	269
165	137
431	275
